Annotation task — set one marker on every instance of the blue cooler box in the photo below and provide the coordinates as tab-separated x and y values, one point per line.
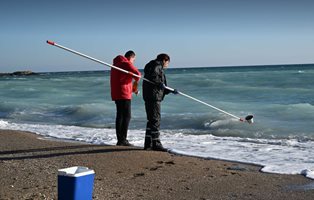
75	183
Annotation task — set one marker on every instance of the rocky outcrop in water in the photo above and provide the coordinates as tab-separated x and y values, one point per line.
19	73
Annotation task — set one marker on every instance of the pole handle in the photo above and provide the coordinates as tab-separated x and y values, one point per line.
50	42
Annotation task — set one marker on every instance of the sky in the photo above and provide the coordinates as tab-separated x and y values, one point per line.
195	33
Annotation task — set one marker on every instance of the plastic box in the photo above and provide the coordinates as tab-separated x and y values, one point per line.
75	183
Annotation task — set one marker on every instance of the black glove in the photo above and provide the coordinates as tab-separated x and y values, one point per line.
162	86
175	91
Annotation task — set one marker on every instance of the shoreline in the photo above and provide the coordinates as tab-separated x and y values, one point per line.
29	164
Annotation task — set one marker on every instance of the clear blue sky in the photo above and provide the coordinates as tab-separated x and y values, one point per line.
195	33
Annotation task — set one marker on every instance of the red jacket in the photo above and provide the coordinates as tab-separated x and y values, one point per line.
120	82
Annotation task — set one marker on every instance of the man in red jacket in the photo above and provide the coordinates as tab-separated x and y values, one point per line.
121	93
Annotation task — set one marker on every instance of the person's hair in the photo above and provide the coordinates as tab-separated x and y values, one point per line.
129	54
163	57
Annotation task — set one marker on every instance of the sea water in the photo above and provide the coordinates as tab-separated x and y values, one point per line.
78	106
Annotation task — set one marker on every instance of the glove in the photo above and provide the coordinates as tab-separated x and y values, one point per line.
162	86
175	91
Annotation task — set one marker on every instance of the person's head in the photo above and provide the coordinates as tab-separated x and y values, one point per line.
164	59
130	55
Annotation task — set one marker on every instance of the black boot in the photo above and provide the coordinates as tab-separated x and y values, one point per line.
148	143
124	143
157	146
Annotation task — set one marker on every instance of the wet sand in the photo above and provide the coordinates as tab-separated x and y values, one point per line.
29	168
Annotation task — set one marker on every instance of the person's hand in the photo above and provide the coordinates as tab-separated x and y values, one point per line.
175	91
162	86
135	87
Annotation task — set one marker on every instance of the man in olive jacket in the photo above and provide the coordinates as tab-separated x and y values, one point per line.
153	94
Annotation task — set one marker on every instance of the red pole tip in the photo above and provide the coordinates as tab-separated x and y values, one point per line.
50	42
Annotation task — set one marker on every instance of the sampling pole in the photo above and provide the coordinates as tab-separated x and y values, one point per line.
248	118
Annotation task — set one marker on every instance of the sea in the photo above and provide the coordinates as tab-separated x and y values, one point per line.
77	106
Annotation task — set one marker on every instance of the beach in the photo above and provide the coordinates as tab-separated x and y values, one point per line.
30	163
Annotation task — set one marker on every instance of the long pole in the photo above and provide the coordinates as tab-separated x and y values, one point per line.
248	118
96	60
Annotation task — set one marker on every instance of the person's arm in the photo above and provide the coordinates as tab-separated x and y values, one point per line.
131	68
156	76
167	91
135	87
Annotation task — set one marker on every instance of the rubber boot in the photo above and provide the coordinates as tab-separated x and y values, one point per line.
125	143
148	143
119	142
157	146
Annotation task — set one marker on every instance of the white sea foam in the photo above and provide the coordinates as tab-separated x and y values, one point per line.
3	124
219	123
286	156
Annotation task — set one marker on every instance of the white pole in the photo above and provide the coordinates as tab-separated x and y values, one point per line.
202	102
125	71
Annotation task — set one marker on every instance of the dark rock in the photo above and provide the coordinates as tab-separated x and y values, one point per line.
139	174
23	73
19	73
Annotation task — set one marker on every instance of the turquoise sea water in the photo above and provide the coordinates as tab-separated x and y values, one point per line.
281	98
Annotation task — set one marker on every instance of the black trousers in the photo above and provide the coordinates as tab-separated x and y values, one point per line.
153	119
123	118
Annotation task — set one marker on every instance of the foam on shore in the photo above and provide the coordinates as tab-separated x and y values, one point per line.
283	156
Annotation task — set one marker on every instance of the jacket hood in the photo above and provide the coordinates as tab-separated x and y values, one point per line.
119	59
